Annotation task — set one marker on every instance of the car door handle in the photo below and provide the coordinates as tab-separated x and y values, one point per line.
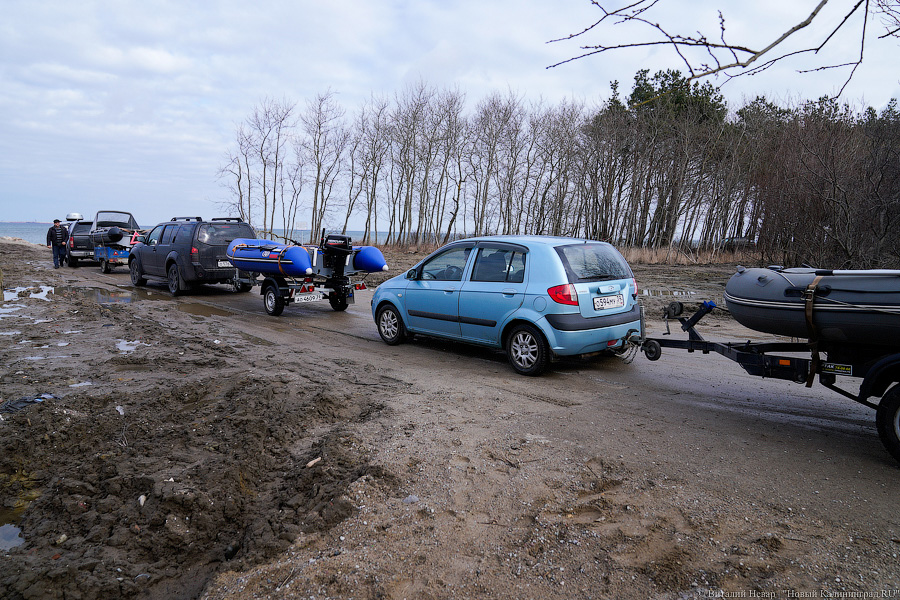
449	290
509	293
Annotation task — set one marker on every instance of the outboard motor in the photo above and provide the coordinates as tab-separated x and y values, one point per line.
335	250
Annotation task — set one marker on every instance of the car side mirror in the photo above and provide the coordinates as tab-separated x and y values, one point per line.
412	274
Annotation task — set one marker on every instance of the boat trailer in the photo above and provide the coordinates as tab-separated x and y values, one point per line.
879	370
326	280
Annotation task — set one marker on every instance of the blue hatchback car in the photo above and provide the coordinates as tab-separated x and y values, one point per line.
535	297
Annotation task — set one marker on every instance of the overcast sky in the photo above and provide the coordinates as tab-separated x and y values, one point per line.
131	105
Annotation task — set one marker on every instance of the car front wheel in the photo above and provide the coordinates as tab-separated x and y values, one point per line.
390	325
527	350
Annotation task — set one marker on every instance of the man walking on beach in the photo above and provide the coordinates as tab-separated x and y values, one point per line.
57	236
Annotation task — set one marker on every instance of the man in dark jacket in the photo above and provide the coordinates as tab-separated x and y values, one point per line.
57	236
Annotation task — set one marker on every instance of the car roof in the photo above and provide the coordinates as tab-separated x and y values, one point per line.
533	240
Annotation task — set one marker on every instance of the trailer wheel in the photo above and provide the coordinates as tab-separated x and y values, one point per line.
105	266
652	349
338	301
273	300
887	419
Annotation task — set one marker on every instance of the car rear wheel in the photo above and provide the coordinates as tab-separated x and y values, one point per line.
137	274
273	300
527	350
390	325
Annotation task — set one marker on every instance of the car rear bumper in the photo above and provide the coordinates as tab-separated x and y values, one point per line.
576	322
570	335
215	275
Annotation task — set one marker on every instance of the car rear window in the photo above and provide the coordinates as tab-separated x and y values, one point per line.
593	262
223	233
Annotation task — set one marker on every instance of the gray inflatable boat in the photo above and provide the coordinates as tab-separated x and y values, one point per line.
827	306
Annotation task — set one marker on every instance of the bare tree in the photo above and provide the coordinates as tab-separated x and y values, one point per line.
702	54
324	142
373	128
270	126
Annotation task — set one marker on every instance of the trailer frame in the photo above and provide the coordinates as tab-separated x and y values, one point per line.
878	368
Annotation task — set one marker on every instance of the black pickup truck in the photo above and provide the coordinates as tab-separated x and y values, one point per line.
80	246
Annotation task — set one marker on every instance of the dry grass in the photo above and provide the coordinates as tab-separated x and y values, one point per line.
634	255
676	256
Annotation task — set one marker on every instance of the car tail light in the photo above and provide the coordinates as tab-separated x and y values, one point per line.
564	294
195	255
634	281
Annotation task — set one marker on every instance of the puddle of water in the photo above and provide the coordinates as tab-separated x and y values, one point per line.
10	537
125	346
82	384
16	293
10	332
121	296
102	296
7	310
204	310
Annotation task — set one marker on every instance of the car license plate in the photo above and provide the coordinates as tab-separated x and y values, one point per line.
308	297
604	302
224	264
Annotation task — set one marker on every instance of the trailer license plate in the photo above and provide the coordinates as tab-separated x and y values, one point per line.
604	302
308	297
224	264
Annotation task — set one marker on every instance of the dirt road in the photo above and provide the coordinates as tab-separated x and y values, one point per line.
198	448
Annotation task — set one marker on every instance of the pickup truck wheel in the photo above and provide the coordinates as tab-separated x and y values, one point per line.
273	300
887	419
73	262
390	325
173	279
137	274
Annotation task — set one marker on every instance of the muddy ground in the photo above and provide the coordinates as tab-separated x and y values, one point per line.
197	448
